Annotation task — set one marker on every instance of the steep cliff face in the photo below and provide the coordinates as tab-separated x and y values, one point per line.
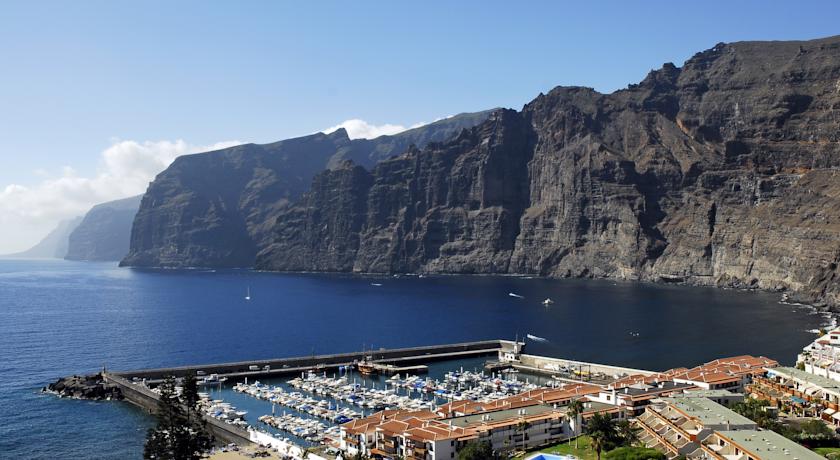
105	231
210	209
405	212
721	172
217	209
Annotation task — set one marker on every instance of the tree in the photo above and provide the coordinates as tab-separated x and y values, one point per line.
160	440
628	435
815	432
602	429
755	410
178	434
575	409
523	426
476	451
634	453
189	393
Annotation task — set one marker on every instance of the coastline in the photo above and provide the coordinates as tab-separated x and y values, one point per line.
787	296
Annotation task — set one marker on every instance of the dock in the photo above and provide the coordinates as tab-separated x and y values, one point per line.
401	357
133	383
390	369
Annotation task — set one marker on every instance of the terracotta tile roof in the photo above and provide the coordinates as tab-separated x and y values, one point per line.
639	378
724	370
434	430
369	423
393	427
563	394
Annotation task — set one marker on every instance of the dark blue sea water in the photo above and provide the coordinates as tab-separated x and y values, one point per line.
59	318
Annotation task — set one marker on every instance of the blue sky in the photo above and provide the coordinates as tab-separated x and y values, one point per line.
77	77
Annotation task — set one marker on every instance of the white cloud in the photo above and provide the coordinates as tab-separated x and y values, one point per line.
360	129
27	213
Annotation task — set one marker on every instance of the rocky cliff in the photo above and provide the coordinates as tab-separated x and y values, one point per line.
105	231
217	209
722	172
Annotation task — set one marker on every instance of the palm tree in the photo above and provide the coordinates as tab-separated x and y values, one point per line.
601	428
575	409
627	433
522	426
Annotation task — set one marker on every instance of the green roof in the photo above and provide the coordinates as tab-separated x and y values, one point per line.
818	380
769	445
702	393
499	415
708	412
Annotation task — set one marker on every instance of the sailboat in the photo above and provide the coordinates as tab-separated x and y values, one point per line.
248	293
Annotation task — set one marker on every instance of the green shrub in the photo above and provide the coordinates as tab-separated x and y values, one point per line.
634	453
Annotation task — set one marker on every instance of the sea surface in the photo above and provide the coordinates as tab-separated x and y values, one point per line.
59	318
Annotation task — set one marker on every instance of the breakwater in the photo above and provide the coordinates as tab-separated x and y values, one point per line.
285	366
134	386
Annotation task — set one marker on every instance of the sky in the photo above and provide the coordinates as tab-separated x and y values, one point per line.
96	97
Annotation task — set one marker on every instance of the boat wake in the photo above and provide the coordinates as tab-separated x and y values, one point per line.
537	339
516	295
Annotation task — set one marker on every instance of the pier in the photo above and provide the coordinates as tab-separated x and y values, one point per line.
400	357
135	385
387	361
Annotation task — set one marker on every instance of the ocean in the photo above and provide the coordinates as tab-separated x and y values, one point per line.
59	318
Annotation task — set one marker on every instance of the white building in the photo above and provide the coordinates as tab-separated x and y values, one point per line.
821	356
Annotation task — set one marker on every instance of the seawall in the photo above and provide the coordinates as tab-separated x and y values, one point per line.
293	365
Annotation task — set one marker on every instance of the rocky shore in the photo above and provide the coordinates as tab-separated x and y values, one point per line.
91	387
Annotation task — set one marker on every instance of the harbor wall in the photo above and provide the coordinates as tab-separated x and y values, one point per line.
138	395
147	400
283	366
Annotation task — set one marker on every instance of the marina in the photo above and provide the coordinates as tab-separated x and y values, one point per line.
330	398
311	409
337	406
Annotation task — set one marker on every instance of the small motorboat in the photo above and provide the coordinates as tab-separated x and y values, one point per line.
547	302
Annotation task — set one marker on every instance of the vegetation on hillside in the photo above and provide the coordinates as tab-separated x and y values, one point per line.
634	453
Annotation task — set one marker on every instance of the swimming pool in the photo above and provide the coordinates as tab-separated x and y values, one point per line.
550	457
